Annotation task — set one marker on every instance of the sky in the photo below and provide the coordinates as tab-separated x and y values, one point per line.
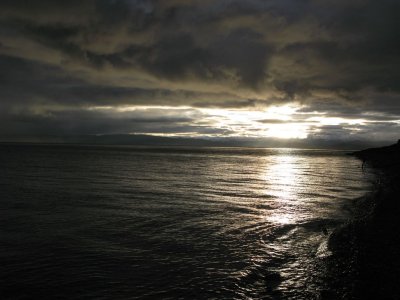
256	69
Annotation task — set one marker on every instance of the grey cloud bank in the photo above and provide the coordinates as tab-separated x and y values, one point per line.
59	59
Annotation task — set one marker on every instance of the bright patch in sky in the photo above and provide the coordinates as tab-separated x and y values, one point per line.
337	121
252	122
288	131
283	122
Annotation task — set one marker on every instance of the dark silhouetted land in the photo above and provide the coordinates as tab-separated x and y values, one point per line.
366	262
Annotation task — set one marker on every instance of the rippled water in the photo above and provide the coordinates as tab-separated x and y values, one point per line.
127	223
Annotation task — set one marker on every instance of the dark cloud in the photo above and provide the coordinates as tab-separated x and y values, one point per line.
382	132
79	122
335	57
274	121
30	83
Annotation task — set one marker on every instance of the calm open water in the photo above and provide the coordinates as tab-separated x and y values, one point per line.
129	223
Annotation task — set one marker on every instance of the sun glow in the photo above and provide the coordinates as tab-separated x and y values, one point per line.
336	121
287	131
277	122
274	121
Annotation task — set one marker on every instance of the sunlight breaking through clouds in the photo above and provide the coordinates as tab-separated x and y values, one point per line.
337	121
289	121
274	121
223	69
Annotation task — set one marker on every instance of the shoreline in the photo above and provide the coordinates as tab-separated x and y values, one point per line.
365	263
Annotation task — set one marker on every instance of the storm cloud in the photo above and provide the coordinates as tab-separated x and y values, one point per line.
59	60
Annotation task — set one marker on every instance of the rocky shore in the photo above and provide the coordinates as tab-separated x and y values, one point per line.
366	251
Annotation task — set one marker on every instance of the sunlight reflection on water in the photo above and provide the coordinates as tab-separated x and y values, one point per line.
283	173
170	223
291	186
301	219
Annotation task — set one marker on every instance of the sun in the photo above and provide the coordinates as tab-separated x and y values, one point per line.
287	131
273	122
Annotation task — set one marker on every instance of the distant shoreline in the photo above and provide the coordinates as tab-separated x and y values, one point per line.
144	146
175	141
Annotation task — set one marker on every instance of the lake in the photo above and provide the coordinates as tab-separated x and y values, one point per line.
93	222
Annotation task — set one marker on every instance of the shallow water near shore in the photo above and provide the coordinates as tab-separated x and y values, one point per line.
127	223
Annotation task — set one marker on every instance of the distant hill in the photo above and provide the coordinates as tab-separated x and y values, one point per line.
387	157
150	140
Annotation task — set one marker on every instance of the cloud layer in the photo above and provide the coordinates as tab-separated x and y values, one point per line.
60	59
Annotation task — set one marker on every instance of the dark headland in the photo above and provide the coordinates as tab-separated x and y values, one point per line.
366	251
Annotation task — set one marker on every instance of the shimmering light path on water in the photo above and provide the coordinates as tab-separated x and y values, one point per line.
126	223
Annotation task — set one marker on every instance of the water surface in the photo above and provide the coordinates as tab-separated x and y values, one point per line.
128	223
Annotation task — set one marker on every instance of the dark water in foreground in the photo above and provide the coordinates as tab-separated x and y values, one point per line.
127	223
